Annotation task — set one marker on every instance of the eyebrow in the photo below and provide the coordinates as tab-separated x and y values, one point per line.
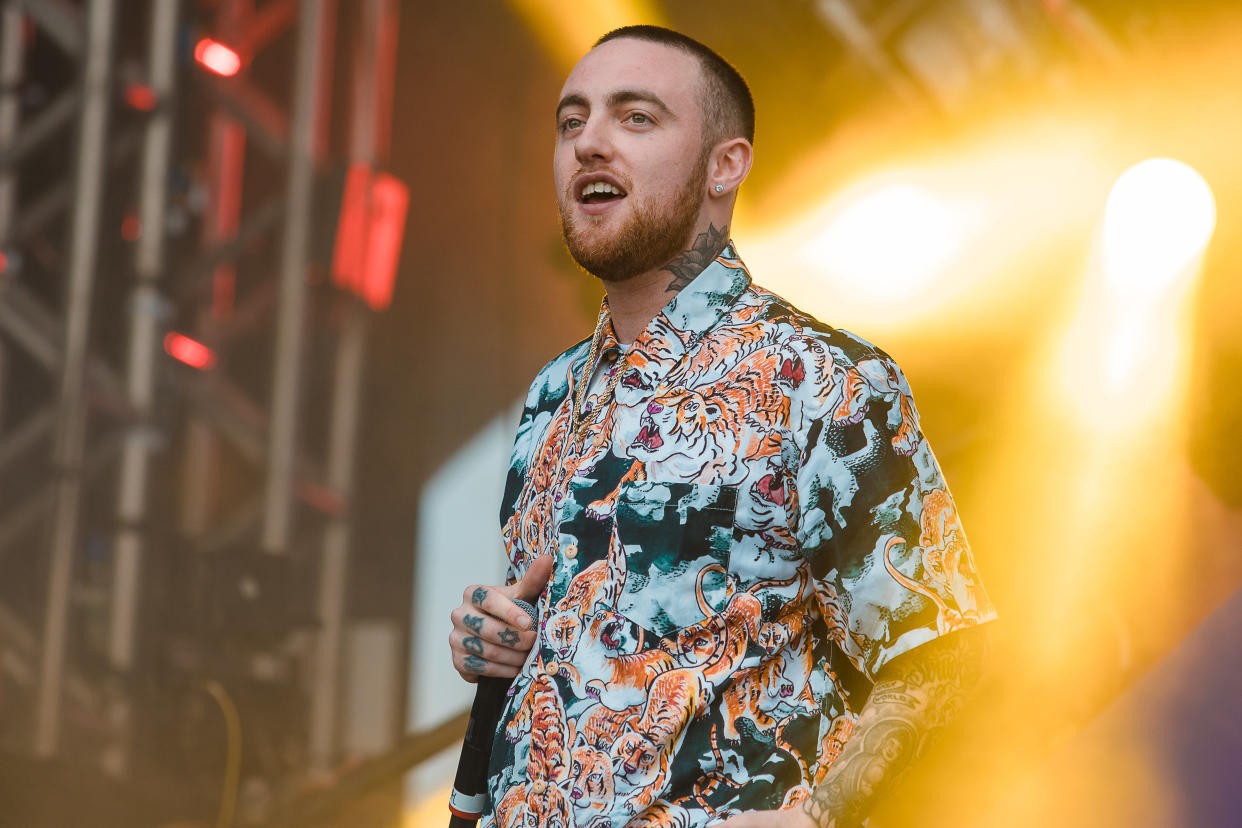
620	96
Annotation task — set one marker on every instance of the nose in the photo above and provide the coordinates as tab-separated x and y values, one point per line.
654	408
593	143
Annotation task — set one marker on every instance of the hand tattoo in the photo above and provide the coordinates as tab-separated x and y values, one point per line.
690	263
475	664
508	637
472	644
474	622
477	596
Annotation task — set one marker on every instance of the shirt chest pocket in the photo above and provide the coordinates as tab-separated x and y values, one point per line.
677	539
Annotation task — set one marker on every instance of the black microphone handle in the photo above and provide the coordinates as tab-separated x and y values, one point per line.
470	785
469	796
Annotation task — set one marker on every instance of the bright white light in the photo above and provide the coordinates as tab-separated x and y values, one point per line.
891	240
1124	359
217	57
1159	217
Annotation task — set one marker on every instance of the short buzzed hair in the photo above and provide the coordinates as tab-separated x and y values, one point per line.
728	108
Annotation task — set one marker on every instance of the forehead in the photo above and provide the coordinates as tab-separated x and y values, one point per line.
627	63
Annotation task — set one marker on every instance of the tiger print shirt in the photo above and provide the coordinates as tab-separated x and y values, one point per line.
749	530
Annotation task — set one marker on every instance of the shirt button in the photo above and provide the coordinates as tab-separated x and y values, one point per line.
538	787
571	551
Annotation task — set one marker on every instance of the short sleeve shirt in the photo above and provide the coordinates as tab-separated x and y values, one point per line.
746	531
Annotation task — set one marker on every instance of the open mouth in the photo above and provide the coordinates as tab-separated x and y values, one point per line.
633	379
792	371
649	435
609	636
597	191
771	487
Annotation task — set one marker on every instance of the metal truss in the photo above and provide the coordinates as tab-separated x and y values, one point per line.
934	52
101	429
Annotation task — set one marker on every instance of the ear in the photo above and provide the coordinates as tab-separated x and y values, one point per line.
728	166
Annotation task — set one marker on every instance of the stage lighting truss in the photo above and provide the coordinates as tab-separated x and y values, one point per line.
940	52
100	426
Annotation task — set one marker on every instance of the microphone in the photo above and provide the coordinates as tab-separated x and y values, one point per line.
470	785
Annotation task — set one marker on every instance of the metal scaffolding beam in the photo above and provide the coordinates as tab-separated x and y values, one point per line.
146	323
309	79
71	416
374	65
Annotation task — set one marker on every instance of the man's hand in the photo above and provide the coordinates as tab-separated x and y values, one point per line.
492	635
788	818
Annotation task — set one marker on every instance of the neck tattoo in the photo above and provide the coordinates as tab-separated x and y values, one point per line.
690	263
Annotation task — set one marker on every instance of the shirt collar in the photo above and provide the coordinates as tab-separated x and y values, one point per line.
699	305
695	310
675	330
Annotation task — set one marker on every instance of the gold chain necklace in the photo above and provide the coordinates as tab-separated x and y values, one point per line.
579	420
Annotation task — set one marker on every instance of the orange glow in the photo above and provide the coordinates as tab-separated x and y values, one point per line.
567	28
217	58
190	351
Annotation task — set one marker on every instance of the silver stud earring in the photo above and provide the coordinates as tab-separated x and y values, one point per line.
720	188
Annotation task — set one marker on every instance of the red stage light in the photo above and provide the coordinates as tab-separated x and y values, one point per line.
192	352
131	227
390	199
215	57
369	235
4	261
140	97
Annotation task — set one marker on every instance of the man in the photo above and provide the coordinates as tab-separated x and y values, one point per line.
759	602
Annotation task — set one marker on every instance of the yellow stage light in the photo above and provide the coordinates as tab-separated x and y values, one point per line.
935	242
890	241
1124	355
1159	218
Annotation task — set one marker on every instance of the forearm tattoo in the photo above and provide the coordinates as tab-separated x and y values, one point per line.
475	664
690	263
472	645
478	596
474	622
508	637
914	698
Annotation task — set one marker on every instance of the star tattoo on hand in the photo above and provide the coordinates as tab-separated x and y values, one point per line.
508	637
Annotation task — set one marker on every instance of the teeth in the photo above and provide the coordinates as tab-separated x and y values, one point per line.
600	187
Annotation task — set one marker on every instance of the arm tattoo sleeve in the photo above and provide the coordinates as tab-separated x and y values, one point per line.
690	263
915	696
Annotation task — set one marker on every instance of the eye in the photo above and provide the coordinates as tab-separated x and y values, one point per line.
571	123
639	119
